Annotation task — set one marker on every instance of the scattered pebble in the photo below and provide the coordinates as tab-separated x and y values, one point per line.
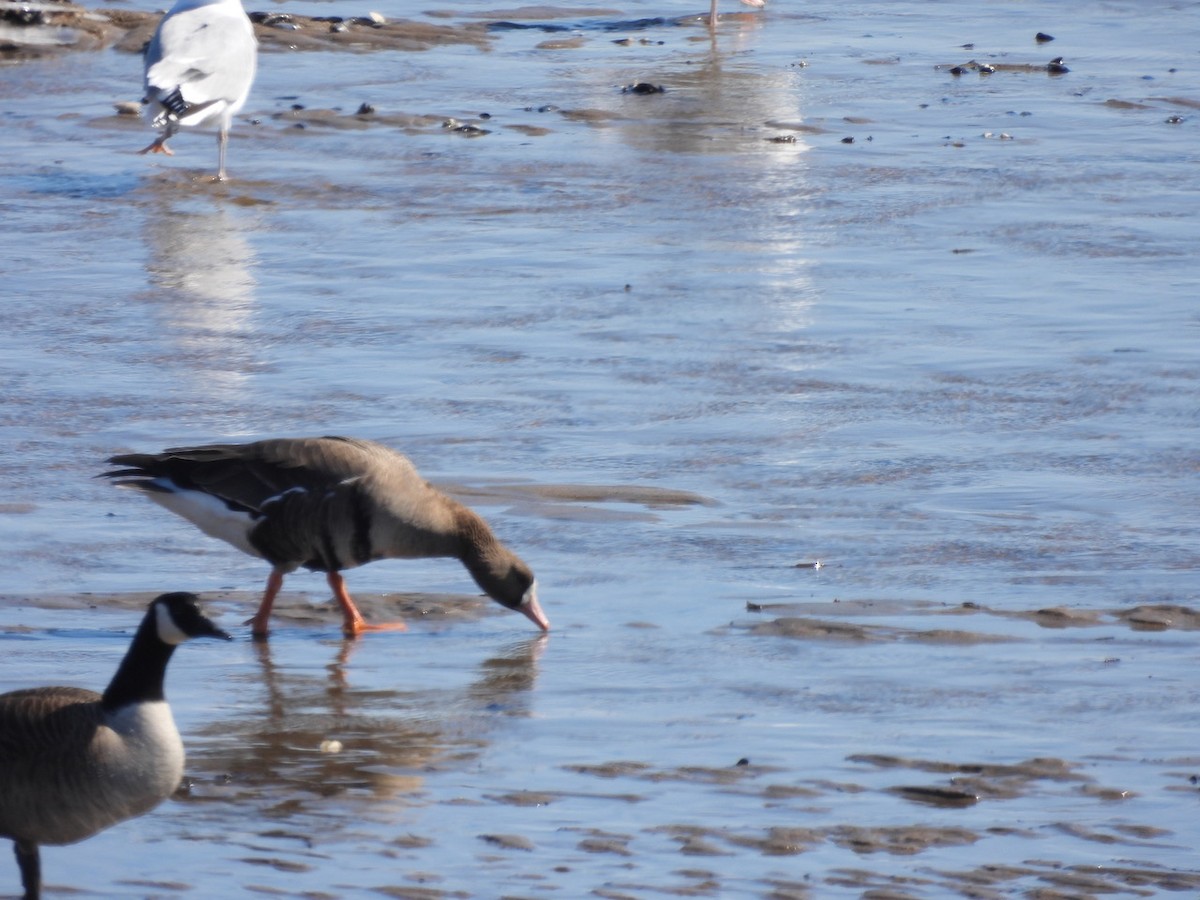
1042	38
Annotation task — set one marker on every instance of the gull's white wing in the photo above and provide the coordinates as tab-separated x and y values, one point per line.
207	50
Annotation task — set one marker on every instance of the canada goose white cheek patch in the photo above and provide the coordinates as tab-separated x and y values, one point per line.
168	631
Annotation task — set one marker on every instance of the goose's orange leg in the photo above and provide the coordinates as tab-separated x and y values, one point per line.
354	624
259	623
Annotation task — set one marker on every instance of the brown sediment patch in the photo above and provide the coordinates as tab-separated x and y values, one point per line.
972	782
947	798
1146	617
292	608
1039	767
688	774
1106	794
1053	68
508	841
1069	882
1160	617
281	865
1062	617
802	628
875	886
1185	102
591	116
523	798
287	31
693	840
787	890
1113	103
798	127
530	130
417	893
779	841
33	29
339	120
571	43
901	840
411	842
600	841
950	636
788	792
531	13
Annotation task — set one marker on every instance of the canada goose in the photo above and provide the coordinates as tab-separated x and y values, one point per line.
74	762
198	69
327	504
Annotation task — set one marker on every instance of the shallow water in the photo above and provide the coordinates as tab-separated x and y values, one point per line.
953	362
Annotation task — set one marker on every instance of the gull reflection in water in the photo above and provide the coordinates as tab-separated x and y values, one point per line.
201	293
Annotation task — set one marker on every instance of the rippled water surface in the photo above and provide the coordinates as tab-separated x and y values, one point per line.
845	407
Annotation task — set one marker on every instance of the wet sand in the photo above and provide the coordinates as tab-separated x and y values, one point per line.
844	406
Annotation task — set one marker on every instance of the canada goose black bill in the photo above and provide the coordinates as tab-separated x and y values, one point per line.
327	504
74	762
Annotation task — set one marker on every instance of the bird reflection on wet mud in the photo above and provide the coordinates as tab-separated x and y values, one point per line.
317	734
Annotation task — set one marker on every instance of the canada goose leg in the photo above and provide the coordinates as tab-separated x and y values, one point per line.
30	864
354	624
260	622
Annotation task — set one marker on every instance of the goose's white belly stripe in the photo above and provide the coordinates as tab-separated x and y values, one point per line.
207	513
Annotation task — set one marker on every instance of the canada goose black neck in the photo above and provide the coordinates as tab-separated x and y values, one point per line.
140	676
171	620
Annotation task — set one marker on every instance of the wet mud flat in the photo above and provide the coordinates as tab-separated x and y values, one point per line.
671	356
310	763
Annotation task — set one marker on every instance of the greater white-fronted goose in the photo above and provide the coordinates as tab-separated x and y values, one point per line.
74	762
328	504
198	70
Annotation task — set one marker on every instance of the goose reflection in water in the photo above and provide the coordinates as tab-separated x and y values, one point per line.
323	735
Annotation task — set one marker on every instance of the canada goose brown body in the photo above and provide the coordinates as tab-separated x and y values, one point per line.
327	504
74	762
